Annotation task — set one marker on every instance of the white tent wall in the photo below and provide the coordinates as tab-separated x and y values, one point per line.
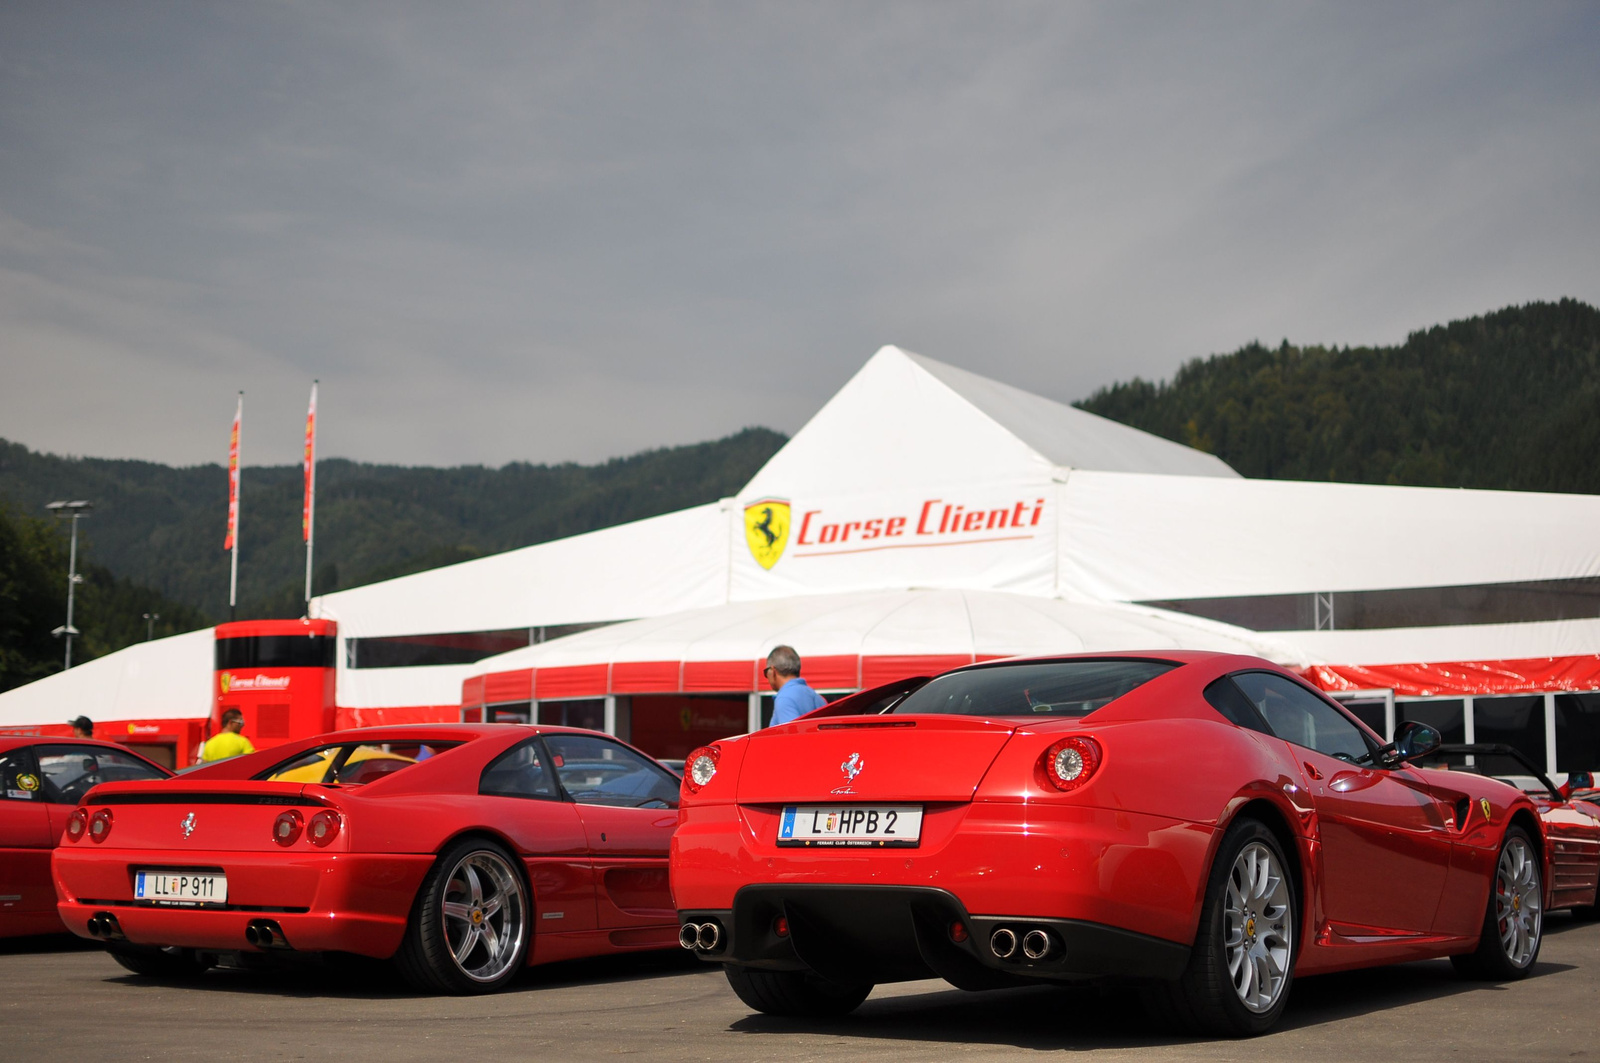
162	679
916	623
1456	642
1130	537
999	534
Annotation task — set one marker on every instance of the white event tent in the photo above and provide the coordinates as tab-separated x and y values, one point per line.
927	515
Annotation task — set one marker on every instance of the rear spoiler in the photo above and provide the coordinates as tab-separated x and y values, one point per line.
1500	749
871	702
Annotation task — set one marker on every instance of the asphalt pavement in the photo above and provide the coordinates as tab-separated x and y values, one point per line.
62	1001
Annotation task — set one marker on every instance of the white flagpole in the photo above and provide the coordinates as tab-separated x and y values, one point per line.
233	579
311	489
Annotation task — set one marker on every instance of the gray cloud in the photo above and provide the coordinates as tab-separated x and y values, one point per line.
503	232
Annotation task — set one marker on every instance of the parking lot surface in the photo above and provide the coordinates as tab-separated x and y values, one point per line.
63	1001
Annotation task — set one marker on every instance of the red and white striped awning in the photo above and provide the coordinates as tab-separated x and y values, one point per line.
846	642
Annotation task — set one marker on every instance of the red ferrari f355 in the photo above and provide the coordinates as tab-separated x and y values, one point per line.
463	852
1206	826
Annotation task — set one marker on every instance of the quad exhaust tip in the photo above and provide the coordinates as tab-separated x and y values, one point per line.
265	934
1037	944
700	937
1003	943
105	925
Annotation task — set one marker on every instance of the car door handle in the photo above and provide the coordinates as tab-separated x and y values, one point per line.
1312	771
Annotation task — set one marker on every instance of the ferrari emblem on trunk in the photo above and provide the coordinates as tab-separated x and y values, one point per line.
851	768
187	825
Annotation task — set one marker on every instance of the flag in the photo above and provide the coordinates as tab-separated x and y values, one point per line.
233	478
310	467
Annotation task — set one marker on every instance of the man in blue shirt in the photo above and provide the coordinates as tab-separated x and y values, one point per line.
795	696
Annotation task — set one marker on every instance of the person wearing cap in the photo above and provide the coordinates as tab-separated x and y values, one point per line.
795	696
82	727
228	742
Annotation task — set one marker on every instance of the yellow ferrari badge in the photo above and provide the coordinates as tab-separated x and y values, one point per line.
766	529
28	782
1483	803
226	680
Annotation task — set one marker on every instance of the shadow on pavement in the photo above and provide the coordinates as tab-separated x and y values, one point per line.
1051	1018
359	978
37	943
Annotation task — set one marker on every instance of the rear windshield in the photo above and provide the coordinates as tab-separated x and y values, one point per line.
352	763
1052	688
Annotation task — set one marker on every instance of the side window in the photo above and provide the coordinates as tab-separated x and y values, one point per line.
19	776
520	771
70	771
595	771
1297	715
1229	700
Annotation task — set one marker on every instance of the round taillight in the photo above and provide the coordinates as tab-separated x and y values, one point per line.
100	825
1071	762
287	827
701	767
77	823
324	827
958	932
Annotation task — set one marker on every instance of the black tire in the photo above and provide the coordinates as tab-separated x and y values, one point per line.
1205	998
800	993
151	961
1513	928
435	959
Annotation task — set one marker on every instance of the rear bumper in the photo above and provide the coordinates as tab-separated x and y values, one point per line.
895	933
346	902
1139	872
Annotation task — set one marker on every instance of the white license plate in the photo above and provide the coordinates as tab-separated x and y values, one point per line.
181	887
860	825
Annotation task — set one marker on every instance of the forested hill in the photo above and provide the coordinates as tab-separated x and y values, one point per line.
1507	400
162	527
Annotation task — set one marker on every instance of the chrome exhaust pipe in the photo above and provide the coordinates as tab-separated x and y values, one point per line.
708	937
1003	943
266	934
105	925
689	936
1037	944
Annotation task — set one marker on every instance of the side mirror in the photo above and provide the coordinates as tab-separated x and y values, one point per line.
1577	780
1414	740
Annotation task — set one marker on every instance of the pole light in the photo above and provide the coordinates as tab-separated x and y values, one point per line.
74	509
150	625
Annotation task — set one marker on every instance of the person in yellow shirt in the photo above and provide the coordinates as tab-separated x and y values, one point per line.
228	742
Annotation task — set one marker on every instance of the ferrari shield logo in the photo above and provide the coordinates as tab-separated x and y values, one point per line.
225	680
766	529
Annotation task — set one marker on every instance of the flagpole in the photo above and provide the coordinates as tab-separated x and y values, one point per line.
233	510
311	489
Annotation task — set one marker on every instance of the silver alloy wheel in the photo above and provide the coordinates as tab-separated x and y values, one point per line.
1518	901
1258	937
483	915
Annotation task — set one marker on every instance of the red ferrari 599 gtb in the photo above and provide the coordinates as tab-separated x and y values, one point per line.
1205	825
461	851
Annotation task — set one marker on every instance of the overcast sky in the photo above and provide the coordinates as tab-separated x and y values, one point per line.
545	232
